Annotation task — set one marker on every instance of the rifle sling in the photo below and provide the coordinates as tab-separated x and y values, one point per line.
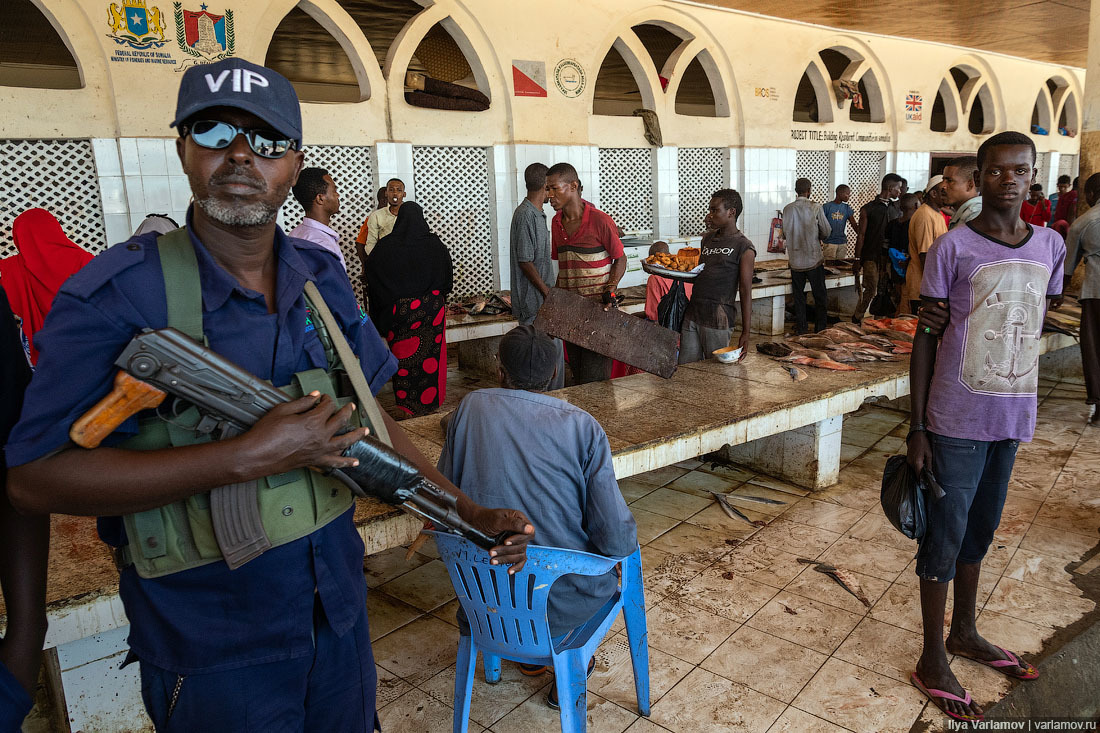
369	411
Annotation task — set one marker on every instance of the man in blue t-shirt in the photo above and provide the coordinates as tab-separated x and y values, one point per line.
840	214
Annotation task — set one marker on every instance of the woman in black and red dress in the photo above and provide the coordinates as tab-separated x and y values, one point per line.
409	275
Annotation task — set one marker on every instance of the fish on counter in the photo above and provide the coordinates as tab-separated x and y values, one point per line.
799	359
851	328
812	342
772	348
836	335
841	354
834	365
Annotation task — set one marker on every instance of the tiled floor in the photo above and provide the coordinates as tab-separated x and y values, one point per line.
742	636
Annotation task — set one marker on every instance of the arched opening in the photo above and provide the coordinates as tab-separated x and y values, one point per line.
960	77
32	53
381	21
443	72
1040	115
659	42
840	65
812	100
617	91
695	96
981	117
309	56
945	115
1067	120
870	107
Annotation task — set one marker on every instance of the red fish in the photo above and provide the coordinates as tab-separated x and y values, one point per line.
830	364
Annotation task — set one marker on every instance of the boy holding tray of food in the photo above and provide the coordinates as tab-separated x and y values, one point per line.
727	257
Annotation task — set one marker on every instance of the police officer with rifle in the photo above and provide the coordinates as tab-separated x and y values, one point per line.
240	565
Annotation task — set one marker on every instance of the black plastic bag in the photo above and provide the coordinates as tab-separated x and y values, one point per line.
904	496
671	309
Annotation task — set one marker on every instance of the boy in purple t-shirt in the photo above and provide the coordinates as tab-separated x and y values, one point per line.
974	400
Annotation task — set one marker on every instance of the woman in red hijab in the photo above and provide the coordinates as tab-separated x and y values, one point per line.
45	261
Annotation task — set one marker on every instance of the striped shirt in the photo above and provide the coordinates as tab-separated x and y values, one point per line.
585	257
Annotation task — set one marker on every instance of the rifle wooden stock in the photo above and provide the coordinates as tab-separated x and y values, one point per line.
129	397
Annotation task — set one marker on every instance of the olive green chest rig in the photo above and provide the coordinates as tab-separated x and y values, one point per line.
292	505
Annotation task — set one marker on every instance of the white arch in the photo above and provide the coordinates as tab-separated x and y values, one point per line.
682	24
864	65
96	96
819	79
339	24
981	84
1044	108
631	49
405	44
676	66
951	106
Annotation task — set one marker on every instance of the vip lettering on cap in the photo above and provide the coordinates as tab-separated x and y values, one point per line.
234	82
243	79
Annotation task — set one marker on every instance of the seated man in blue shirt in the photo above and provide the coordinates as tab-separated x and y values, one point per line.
515	446
281	642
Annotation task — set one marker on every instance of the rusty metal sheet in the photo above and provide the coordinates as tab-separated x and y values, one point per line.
631	340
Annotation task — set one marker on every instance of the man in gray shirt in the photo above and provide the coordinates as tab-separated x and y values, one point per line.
1083	241
532	266
514	446
804	227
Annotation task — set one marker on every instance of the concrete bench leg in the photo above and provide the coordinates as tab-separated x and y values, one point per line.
769	315
478	356
808	456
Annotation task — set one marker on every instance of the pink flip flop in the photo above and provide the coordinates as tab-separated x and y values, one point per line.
938	696
1004	666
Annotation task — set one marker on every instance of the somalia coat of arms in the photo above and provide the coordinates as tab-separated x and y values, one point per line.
135	25
204	35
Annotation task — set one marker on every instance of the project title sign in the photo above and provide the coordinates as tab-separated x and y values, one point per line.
841	140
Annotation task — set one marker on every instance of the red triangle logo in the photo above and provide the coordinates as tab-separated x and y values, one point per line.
525	86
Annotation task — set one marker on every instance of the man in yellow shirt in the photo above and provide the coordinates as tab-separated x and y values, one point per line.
926	224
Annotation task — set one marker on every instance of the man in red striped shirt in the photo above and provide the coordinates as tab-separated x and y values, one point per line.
591	261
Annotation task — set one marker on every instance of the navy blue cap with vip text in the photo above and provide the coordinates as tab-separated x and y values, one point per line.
237	83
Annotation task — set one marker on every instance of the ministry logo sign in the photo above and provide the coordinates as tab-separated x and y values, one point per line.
204	35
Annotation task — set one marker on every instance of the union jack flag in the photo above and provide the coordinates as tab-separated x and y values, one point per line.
913	102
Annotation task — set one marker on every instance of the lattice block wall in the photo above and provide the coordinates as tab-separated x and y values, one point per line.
701	172
626	187
1067	165
56	175
865	171
1042	171
452	184
350	167
815	165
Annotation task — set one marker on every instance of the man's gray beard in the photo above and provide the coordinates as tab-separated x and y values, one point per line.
251	215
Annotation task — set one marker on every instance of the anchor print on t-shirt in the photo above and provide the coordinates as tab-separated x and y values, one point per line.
1001	351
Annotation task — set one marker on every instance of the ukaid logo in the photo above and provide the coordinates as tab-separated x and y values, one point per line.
204	35
914	104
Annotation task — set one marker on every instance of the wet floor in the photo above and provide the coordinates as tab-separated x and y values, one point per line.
742	636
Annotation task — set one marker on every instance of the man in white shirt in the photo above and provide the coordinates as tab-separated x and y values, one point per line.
316	192
381	221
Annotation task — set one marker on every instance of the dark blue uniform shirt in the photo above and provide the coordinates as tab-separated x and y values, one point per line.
208	618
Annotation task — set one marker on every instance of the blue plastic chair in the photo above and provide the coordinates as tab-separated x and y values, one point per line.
507	619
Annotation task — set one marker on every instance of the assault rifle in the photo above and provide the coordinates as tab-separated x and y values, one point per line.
230	400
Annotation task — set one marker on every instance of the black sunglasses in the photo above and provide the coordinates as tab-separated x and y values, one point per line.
217	135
